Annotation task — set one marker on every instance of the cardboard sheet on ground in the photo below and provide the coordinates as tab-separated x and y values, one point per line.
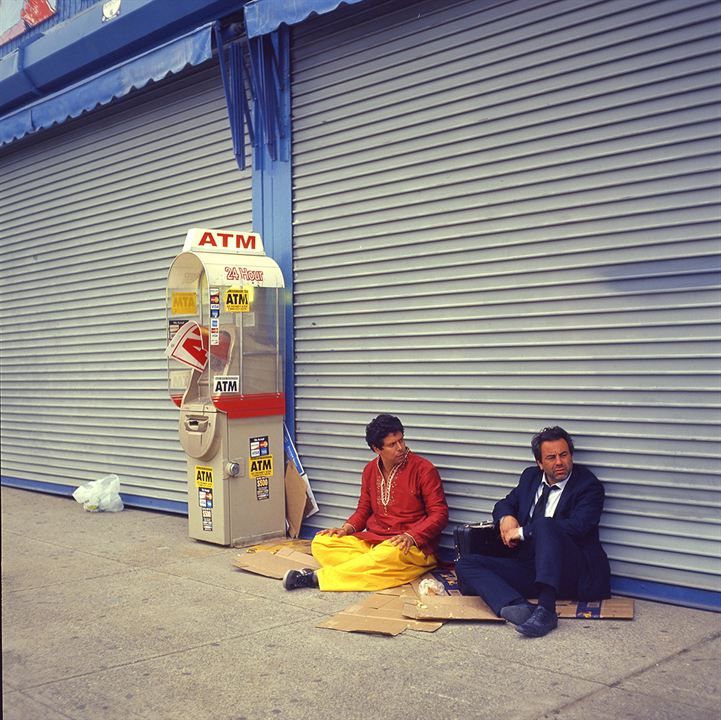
459	607
449	607
379	614
273	562
392	611
615	608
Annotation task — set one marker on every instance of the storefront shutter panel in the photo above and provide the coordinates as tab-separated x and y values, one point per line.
91	215
506	215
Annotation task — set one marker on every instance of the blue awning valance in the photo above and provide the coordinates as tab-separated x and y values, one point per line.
192	48
265	16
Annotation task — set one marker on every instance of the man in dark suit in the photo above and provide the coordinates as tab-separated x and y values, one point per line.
550	522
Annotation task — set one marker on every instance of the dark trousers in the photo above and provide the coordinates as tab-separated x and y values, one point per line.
549	557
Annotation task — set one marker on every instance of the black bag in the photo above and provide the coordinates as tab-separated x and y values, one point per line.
479	539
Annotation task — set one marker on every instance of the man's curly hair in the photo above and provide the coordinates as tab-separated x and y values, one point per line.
379	428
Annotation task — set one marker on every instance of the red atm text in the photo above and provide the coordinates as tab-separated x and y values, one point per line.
228	240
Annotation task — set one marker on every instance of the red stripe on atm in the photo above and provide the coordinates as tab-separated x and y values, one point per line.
251	405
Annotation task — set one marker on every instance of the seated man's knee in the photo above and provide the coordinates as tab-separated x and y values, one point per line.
468	563
324	541
319	539
387	550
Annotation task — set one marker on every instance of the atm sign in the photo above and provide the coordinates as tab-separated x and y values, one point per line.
226	384
237	300
260	466
203	476
183	303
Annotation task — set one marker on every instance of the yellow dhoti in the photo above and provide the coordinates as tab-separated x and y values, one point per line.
351	564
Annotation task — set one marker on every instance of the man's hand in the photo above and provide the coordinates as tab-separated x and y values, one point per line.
404	541
346	529
509	531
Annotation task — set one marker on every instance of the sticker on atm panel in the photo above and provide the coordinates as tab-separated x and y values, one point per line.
189	346
237	300
262	488
260	466
203	476
206	513
183	303
173	327
214	312
259	446
205	498
226	384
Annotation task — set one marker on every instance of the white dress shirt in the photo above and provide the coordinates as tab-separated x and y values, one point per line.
551	503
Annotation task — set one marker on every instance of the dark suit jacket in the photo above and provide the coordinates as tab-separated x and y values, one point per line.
577	514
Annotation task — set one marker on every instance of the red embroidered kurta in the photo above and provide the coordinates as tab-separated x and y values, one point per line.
417	505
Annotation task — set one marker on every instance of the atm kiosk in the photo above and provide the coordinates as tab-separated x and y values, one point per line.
226	337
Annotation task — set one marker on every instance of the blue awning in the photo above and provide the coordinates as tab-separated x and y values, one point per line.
265	16
192	48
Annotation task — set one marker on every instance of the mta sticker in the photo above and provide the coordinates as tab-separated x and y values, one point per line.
183	303
237	300
203	476
260	466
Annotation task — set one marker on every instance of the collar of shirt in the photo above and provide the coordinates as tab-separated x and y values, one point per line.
553	497
396	468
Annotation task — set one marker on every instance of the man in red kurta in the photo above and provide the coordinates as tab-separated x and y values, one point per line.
392	537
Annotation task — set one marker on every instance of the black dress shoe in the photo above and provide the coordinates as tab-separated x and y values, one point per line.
517	614
539	624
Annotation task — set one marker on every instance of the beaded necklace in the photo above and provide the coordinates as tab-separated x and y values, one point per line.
386	486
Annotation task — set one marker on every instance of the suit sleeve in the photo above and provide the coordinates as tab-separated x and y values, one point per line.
426	531
513	502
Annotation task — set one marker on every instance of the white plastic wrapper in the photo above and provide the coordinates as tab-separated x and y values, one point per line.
101	495
431	586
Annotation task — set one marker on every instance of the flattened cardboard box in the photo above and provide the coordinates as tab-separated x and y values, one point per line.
296	499
380	614
449	607
615	608
460	607
274	560
391	611
384	613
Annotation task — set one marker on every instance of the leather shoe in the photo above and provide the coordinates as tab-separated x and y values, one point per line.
539	624
517	614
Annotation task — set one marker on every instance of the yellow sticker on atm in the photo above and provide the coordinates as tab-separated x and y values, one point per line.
237	300
203	476
260	466
183	303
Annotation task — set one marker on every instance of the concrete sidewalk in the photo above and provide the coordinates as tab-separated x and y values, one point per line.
121	616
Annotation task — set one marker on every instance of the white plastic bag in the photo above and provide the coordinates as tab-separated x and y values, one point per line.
431	586
100	495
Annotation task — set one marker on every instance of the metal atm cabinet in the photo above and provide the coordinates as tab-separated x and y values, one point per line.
226	337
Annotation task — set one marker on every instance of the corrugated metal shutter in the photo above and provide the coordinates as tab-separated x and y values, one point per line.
91	215
507	216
